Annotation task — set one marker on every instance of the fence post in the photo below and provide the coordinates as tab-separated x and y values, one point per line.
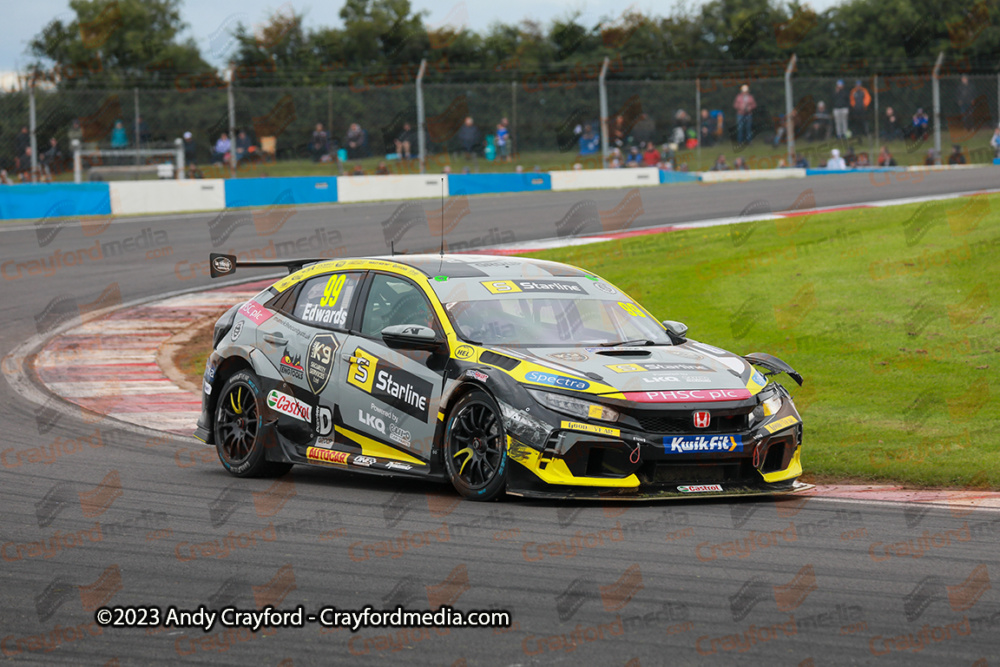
937	109
512	135
421	139
875	86
179	143
77	162
789	123
31	122
604	113
697	119
138	144
329	114
232	124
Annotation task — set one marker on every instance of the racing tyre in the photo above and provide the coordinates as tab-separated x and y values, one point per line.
475	451
237	428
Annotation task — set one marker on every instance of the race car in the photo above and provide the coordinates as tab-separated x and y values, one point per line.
496	374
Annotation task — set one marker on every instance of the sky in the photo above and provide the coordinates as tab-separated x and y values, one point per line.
210	21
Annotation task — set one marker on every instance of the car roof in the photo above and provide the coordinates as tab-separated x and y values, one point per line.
484	266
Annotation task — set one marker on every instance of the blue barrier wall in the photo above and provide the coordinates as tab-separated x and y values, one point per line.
51	200
480	184
271	191
677	177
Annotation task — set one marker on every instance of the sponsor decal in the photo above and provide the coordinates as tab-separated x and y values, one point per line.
291	367
324	420
569	356
784	422
207	387
697	444
692	396
604	287
222	264
759	378
327	456
255	312
658	366
364	461
702	418
477	375
700	488
464	352
237	330
554	380
319	361
396	465
320	315
325	443
397	434
389	384
371	422
659	379
512	286
590	428
288	405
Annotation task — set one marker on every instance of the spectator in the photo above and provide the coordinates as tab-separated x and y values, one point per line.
682	121
5	178
634	158
618	132
221	151
995	142
801	161
885	158
919	127
744	104
645	130
75	132
119	138
589	142
22	148
50	160
356	141
720	163
358	170
503	140
244	147
841	109
668	154
861	99
819	128
145	135
382	169
956	156
651	156
24	170
739	164
850	158
931	158
862	160
835	161
615	158
404	142
469	138
890	127
190	149
319	144
708	125
966	98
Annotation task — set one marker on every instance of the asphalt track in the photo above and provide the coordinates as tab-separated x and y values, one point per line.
703	582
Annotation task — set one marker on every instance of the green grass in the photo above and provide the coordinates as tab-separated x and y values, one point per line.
890	315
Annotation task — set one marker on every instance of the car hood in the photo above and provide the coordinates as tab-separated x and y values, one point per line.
688	367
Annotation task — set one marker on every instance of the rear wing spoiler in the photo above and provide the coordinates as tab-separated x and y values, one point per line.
225	265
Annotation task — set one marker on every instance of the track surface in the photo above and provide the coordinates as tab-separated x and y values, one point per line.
853	599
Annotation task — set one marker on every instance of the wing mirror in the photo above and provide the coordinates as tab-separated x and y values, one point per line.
676	330
412	337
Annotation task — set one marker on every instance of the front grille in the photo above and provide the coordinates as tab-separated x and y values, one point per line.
671	474
682	421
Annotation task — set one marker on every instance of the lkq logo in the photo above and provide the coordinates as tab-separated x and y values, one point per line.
371	421
702	418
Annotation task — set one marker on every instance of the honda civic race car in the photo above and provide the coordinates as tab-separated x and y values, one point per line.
498	374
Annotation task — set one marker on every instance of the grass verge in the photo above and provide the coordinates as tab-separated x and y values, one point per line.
890	315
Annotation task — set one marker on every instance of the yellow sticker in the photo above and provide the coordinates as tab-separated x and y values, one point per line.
625	368
631	309
595	411
501	286
590	428
784	422
465	352
331	293
362	370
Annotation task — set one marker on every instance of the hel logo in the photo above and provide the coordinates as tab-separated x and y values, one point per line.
287	405
702	418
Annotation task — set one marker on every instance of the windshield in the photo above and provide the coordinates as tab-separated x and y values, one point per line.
553	321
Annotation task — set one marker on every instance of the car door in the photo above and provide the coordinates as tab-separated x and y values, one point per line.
389	398
302	341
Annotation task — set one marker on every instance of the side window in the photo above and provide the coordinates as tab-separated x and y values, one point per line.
393	300
324	301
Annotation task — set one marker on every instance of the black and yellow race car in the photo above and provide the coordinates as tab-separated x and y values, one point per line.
498	374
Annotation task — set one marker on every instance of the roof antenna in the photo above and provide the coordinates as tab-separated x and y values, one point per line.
442	217
392	248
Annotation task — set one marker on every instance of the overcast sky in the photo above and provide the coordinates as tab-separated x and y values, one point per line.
209	21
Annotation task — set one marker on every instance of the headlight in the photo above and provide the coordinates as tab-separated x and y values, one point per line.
574	406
